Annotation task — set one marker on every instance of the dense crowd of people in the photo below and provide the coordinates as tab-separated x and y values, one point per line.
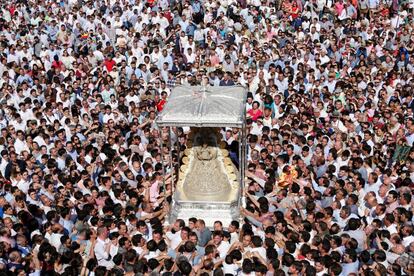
330	136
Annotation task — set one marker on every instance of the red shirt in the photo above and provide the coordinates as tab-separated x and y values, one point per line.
12	9
168	15
294	12
78	74
255	113
160	105
57	64
109	64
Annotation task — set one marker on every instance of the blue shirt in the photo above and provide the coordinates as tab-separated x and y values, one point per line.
190	30
204	237
196	7
23	78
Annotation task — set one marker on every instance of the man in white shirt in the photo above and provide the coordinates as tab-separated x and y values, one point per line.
258	247
174	235
350	262
373	4
389	224
373	183
344	216
102	248
4	161
108	115
336	123
54	235
18	123
222	246
20	143
25	113
132	97
355	232
12	56
282	83
233	230
410	135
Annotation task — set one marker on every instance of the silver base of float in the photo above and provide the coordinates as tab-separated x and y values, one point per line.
207	211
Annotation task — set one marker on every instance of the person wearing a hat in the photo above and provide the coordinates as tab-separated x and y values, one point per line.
257	127
336	122
228	64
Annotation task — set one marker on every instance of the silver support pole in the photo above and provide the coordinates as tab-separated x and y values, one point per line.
163	168
171	162
242	158
240	161
178	146
174	204
172	173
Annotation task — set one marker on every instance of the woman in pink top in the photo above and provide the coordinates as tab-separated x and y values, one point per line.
269	33
339	6
255	112
214	58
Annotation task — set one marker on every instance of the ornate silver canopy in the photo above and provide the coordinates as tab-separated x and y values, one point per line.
200	106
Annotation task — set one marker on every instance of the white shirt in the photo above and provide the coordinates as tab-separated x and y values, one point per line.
134	98
256	129
101	255
410	139
372	187
339	125
175	239
107	117
3	166
54	239
23	186
392	229
152	254
408	240
234	237
26	115
138	249
348	268
20	146
230	268
373	4
223	248
261	251
343	222
359	236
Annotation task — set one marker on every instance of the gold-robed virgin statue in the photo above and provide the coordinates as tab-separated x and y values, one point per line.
206	177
